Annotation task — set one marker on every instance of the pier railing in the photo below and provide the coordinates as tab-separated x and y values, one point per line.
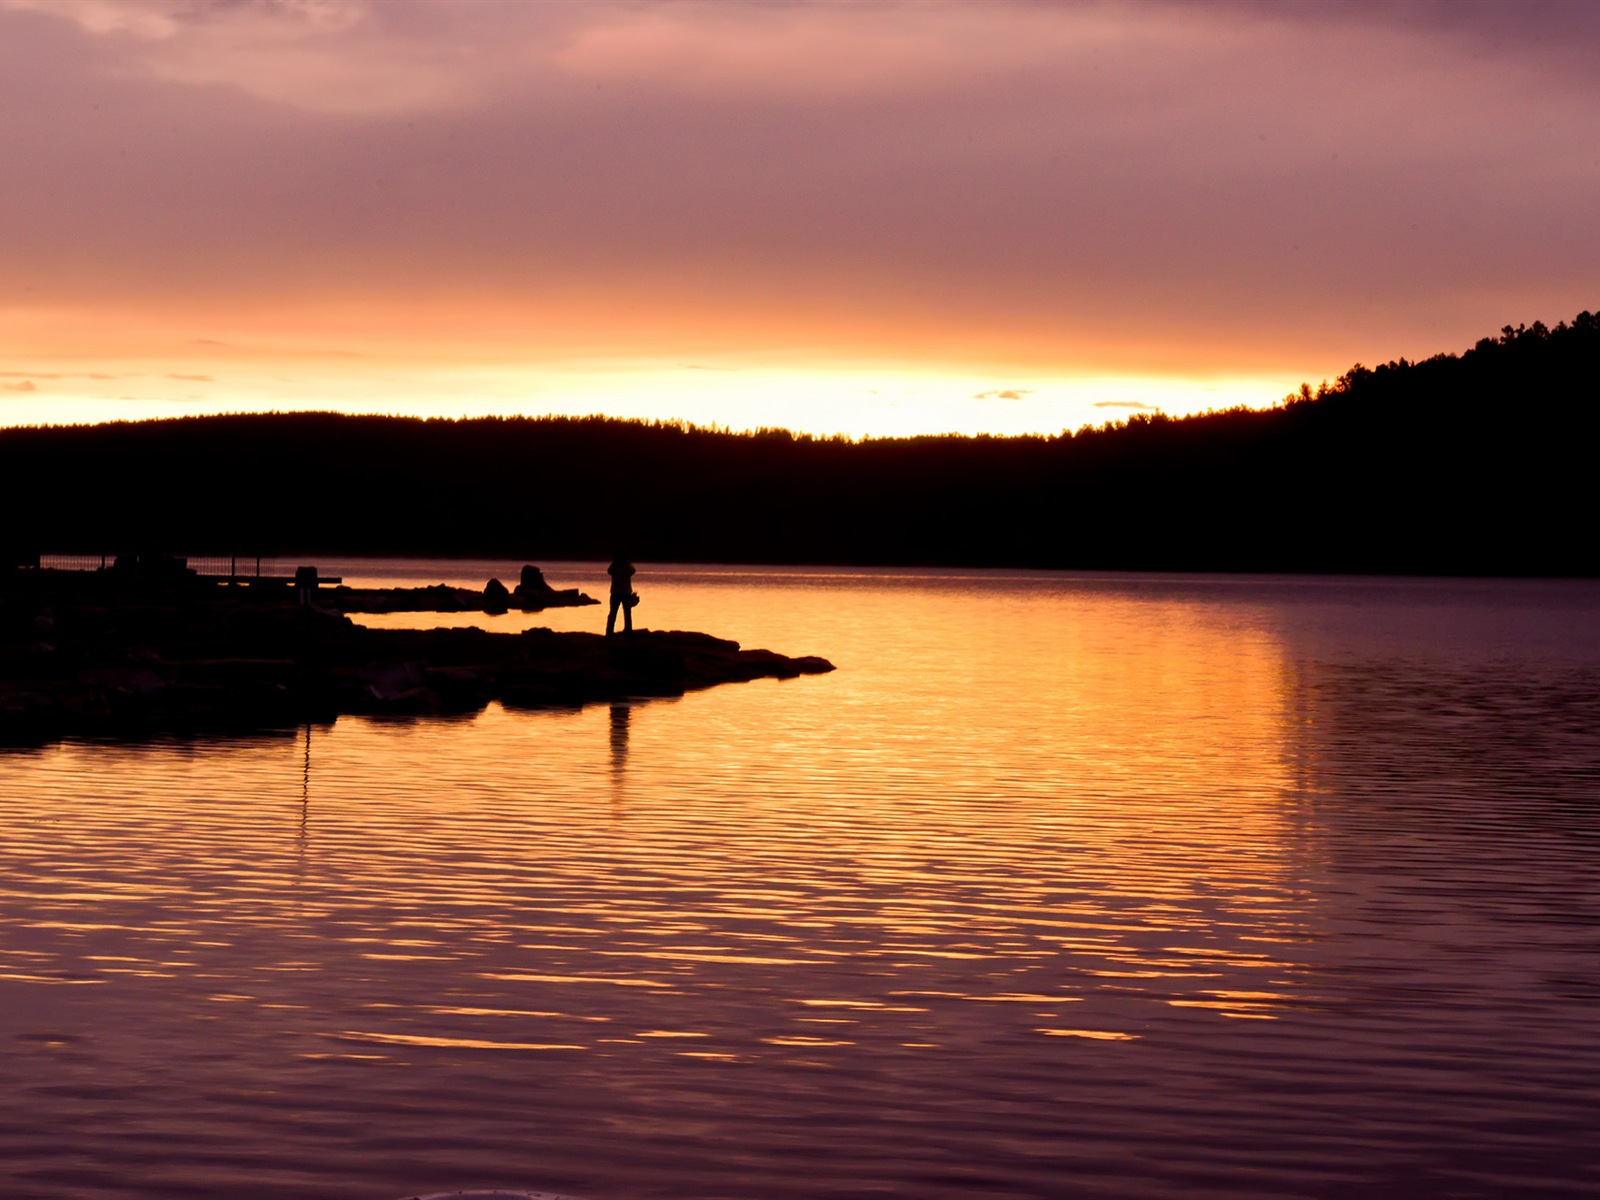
73	562
212	566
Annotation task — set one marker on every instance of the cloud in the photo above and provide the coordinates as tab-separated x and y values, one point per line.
1139	404
193	378
56	375
1543	27
1007	394
145	19
1011	189
25	386
376	57
339	56
813	51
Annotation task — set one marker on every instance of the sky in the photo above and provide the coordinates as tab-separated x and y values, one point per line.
868	218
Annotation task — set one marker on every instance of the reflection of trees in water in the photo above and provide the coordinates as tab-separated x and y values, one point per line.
1405	731
1473	780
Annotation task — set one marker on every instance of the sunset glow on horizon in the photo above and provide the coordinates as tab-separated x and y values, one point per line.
875	219
867	401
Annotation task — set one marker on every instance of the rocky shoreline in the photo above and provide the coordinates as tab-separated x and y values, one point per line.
79	659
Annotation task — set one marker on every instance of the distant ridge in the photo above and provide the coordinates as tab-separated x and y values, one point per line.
1482	462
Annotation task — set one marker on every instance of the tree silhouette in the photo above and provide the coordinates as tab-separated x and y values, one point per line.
1476	463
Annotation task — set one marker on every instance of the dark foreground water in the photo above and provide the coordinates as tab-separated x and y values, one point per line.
1059	886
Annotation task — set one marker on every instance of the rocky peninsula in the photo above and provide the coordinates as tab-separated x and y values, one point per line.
97	654
532	594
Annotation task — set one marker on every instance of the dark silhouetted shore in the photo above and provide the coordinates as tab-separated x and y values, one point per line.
1477	463
81	654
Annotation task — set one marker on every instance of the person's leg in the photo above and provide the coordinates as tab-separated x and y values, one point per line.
627	618
611	618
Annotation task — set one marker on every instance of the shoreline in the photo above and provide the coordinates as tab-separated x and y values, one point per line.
98	657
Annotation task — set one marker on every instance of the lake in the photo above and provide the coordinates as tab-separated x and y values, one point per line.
1061	885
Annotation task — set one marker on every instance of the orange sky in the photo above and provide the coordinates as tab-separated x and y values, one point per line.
876	217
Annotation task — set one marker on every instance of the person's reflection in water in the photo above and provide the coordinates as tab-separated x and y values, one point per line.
619	737
622	595
619	752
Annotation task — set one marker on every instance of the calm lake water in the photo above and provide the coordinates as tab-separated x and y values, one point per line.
1059	886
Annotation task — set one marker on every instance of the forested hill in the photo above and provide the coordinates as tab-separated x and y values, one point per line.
1477	463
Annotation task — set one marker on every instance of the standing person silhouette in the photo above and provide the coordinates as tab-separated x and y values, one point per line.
621	572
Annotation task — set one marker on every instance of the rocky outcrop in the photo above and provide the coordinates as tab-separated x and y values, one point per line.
494	599
165	663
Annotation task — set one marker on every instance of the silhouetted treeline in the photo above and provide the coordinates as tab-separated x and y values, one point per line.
1478	463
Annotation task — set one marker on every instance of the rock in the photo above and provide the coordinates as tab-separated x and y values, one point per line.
390	681
441	597
534	593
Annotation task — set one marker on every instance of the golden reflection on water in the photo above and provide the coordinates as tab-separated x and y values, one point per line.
1089	802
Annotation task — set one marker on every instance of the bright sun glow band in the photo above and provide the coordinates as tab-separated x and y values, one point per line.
855	402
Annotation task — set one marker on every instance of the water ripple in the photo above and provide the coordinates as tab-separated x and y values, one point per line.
1058	886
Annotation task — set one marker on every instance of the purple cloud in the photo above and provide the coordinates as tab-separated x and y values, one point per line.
1127	186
